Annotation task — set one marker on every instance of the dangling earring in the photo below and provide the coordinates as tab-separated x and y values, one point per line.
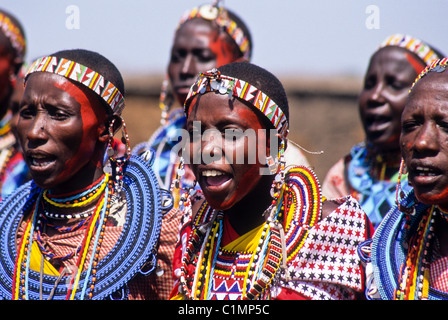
164	106
180	171
280	176
183	194
271	163
110	152
114	164
399	194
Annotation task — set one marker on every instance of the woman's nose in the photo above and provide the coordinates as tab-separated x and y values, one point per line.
37	130
376	95
427	139
188	66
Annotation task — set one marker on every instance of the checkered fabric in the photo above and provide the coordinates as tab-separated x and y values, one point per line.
438	276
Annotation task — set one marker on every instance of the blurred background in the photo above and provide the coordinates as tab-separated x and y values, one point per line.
319	50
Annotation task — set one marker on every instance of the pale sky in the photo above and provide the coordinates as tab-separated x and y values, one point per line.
321	37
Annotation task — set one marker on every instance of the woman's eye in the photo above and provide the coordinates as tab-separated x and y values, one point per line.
369	82
26	112
59	115
408	126
398	85
233	134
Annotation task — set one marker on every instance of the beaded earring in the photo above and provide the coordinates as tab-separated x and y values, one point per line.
185	193
280	169
115	164
163	102
399	194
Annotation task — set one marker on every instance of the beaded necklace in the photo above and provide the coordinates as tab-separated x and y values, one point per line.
103	278
94	229
297	206
414	278
403	247
93	192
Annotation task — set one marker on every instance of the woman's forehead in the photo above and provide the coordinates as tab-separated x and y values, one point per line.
48	87
222	109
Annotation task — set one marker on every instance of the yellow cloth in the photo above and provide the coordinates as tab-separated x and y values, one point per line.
247	242
36	259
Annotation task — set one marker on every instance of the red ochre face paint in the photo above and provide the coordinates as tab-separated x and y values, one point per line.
223	49
235	180
415	63
90	126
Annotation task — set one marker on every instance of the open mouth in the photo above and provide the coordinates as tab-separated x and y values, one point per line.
377	122
184	89
424	175
214	178
40	161
425	172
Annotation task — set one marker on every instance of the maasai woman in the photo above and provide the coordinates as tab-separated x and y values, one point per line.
409	253
206	37
81	229
369	172
13	170
252	234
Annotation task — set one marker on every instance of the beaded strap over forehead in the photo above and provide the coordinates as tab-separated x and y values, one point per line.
416	46
214	81
13	33
220	15
439	65
82	74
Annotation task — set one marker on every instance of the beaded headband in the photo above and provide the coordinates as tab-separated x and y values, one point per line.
439	65
416	46
82	74
13	33
220	15
213	81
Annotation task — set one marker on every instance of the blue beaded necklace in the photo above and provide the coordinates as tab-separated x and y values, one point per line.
133	252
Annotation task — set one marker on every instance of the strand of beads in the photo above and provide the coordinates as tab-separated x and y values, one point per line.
96	227
58	216
99	241
95	234
414	278
79	199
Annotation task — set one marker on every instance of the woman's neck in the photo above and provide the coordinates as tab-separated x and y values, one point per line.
80	181
383	165
247	214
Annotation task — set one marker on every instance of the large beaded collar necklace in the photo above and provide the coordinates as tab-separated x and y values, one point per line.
403	249
133	253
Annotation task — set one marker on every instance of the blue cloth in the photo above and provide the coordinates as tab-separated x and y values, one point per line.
376	197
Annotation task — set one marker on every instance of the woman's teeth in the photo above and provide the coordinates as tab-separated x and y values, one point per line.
40	161
212	173
421	171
